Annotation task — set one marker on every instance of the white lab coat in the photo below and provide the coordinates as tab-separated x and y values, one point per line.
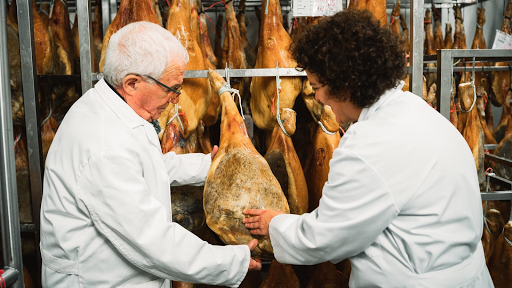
401	202
106	210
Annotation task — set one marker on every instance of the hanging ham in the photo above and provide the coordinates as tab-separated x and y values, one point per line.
13	53
274	42
448	37
395	14
285	164
22	178
500	80
195	96
218	42
129	11
471	129
250	53
405	38
429	47
42	45
326	275
377	7
317	170
500	264
239	178
492	230
438	32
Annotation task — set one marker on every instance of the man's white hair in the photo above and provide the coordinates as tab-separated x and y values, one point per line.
141	48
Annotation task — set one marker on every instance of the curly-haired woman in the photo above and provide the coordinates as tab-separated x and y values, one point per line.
402	200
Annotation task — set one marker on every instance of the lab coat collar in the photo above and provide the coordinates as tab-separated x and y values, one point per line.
125	112
389	95
118	106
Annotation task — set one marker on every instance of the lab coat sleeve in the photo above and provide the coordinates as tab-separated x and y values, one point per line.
122	208
355	208
187	169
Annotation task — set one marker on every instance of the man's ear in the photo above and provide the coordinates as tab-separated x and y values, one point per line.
130	83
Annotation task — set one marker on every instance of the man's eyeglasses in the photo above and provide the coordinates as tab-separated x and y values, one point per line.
176	88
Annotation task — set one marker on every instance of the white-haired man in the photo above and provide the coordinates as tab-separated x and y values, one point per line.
105	213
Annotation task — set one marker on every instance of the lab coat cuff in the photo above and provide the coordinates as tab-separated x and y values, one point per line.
243	272
276	230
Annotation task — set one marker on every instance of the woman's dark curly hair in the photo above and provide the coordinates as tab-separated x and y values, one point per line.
351	53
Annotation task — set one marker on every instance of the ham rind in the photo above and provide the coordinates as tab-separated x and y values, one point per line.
281	275
239	178
377	7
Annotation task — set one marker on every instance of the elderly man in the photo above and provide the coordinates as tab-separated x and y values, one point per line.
106	210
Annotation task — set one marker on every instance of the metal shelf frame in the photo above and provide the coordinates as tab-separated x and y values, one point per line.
445	69
9	214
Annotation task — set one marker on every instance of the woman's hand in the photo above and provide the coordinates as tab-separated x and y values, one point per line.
258	224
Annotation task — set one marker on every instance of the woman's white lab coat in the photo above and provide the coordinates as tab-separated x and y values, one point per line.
106	210
401	202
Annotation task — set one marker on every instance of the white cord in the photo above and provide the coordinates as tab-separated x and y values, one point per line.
324	129
176	116
17	139
227	88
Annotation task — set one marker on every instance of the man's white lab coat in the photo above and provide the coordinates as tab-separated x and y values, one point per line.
401	202
106	210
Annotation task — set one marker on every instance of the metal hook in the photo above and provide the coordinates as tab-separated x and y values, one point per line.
227	74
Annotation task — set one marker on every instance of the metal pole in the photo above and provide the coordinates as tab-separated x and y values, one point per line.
32	123
113	10
83	9
9	217
444	81
416	11
105	15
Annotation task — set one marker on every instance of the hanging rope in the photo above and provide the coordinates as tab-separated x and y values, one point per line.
2	280
278	88
17	140
325	129
176	114
266	9
227	88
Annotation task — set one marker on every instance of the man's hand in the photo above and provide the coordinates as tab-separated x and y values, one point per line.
255	264
214	151
258	224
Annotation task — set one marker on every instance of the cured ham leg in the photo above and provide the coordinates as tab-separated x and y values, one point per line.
377	7
274	42
22	178
395	14
481	105
438	32
129	11
217	41
317	170
13	52
429	47
43	48
239	178
500	266
492	230
405	38
48	130
206	39
471	129
195	96
285	164
448	37
280	275
500	80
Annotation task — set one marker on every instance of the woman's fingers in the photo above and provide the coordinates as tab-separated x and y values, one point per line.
251	220
254	212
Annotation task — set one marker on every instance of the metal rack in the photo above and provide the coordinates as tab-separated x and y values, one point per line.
445	59
9	217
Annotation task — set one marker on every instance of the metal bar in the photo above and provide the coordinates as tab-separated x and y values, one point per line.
10	276
105	15
113	11
490	146
461	69
497	180
85	35
444	81
498	159
32	119
501	195
9	215
482	53
416	46
260	72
